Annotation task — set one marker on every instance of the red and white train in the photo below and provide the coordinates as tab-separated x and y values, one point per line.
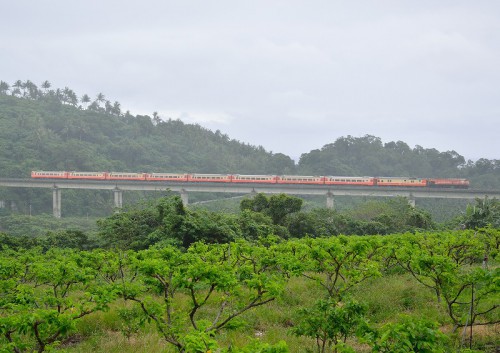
259	179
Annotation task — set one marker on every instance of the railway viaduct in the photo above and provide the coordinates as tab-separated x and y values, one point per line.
329	191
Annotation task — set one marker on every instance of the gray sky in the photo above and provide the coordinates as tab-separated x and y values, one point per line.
288	75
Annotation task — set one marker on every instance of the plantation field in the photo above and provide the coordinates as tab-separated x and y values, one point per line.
396	293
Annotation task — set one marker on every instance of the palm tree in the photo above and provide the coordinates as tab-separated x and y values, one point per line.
18	84
108	107
116	108
85	100
46	85
59	95
4	87
70	96
100	98
93	106
32	91
156	118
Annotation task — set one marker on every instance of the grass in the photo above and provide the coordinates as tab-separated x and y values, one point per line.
386	299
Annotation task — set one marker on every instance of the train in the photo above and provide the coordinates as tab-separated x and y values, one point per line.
259	179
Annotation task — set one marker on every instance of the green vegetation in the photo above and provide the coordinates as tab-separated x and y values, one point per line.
53	129
367	155
274	275
208	297
200	281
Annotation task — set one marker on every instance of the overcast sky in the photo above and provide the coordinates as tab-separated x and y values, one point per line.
291	76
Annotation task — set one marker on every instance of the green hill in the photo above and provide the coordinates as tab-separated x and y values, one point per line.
368	155
49	135
53	129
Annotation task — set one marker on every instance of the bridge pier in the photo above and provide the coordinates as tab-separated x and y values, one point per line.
56	202
118	196
330	202
184	197
411	200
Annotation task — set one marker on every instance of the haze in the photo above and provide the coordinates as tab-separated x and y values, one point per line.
288	75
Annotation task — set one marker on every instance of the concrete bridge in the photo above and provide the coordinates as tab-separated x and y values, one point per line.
329	191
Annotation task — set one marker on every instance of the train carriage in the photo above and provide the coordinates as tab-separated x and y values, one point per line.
210	178
49	174
88	175
299	179
166	177
261	179
448	183
126	176
349	180
399	181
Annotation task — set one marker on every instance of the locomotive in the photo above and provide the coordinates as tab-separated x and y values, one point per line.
258	179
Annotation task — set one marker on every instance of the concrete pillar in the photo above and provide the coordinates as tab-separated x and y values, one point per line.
118	196
2	204
184	197
56	202
411	201
330	202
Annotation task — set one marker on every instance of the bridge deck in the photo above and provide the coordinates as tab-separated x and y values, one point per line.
241	188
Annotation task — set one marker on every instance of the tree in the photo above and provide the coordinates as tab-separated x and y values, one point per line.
486	212
255	225
42	296
232	278
156	118
339	263
130	229
32	91
15	92
46	86
108	107
409	335
277	206
330	323
100	98
18	84
69	96
446	263
85	100
116	108
282	205
4	87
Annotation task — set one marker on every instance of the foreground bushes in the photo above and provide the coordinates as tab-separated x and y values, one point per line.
192	297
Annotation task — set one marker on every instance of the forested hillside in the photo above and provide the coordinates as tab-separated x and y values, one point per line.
55	129
368	155
51	131
44	128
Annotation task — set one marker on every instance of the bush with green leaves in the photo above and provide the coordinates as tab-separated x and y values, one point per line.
42	296
408	335
330	323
